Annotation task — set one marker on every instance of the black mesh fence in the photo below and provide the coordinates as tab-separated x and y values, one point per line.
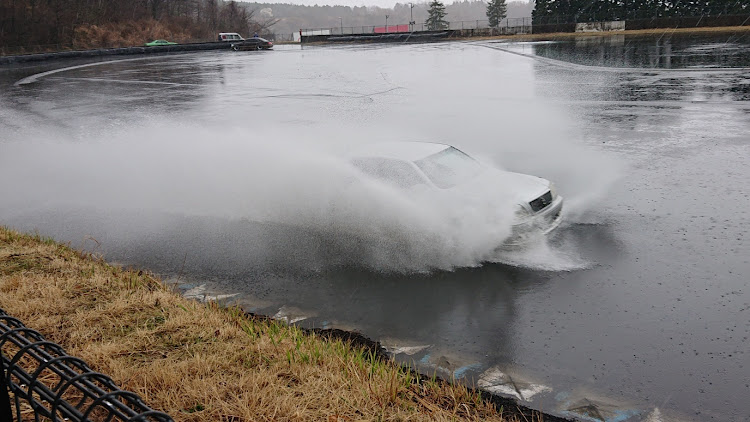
688	22
46	384
560	23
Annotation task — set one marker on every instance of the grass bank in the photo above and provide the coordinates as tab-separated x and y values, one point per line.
131	33
206	363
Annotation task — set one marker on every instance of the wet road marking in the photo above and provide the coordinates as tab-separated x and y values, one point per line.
35	77
313	96
125	81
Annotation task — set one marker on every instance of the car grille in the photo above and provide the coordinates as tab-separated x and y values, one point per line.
542	202
551	218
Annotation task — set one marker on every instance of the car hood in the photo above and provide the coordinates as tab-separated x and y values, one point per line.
526	186
518	186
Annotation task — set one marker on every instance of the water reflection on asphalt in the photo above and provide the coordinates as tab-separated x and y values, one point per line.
662	51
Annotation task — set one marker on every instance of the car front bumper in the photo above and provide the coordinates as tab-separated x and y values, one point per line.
542	222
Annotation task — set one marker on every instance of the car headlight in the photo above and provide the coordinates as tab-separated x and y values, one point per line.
552	190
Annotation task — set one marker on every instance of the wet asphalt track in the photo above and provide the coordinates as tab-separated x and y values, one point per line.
639	309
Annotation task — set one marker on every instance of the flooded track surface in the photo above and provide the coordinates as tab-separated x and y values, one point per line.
219	171
685	51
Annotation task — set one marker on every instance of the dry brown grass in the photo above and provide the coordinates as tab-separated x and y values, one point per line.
206	363
135	33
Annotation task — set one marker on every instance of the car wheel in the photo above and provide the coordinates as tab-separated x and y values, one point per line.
235	48
257	48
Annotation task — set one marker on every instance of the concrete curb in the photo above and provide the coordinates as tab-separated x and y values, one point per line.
509	405
393	37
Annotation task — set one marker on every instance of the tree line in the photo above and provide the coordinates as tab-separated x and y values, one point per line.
495	10
25	25
566	11
69	22
293	17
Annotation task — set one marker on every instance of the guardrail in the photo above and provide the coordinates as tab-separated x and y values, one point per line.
56	386
542	24
519	24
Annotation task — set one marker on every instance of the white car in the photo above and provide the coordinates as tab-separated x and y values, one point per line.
415	165
229	36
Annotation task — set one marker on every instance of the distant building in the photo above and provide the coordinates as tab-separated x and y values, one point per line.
309	32
391	28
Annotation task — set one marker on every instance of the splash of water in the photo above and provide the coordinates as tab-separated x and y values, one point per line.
542	254
336	216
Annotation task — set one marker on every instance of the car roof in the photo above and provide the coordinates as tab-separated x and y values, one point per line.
410	151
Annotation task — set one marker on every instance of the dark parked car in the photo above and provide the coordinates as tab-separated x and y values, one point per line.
255	43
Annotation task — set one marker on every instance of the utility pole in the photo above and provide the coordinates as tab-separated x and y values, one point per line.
411	17
386	24
341	21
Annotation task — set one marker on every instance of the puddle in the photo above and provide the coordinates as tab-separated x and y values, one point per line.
676	51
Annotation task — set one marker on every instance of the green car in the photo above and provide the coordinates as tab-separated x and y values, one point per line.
155	43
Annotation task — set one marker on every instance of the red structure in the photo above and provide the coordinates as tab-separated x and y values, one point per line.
391	28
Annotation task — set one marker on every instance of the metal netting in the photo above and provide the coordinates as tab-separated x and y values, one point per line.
48	384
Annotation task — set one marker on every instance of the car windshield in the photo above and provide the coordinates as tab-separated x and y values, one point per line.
449	167
394	172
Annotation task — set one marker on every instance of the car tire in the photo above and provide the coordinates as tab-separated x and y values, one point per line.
235	48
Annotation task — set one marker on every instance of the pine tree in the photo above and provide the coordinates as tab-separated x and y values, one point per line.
541	13
496	12
435	20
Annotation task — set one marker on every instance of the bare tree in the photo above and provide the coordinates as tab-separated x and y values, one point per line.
53	23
